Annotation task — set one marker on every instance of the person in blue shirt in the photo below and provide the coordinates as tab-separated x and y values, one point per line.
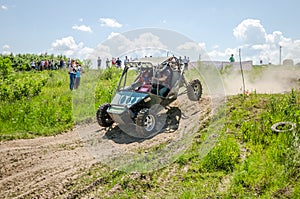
78	73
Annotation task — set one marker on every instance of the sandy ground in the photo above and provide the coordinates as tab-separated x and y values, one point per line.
41	167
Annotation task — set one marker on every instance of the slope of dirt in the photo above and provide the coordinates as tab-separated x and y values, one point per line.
39	168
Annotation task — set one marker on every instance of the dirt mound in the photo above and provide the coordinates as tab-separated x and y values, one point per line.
42	167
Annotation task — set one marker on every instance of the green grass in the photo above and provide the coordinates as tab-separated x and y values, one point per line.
249	160
46	113
41	103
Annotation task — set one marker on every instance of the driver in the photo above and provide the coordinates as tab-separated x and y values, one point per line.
143	80
144	77
162	81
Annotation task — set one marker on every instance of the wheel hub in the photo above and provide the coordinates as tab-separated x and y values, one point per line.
149	122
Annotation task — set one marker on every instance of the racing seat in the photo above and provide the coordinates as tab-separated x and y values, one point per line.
144	88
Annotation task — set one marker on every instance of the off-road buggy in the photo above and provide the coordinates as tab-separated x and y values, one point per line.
137	104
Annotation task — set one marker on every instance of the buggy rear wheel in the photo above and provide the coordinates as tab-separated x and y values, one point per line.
103	117
194	90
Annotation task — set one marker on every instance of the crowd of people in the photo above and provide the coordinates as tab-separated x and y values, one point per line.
114	62
74	69
117	62
47	64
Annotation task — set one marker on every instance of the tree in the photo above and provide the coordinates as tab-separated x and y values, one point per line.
5	67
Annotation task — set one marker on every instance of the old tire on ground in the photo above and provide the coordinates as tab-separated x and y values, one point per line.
103	117
194	90
278	127
146	122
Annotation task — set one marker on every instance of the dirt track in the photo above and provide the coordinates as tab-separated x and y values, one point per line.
41	167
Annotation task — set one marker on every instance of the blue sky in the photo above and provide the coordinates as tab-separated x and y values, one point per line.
77	28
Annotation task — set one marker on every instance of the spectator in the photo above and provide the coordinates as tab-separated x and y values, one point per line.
113	62
32	64
52	65
69	62
46	65
99	63
42	65
119	63
185	63
61	64
57	65
231	58
107	63
126	60
38	65
72	72
78	74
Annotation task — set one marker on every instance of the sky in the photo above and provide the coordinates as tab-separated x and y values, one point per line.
86	29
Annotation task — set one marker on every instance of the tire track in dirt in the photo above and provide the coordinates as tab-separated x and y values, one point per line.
42	167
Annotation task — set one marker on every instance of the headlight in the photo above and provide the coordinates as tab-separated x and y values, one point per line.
147	99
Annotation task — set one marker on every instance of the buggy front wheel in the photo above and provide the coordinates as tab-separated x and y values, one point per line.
103	118
146	122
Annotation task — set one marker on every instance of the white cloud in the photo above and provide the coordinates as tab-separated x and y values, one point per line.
257	44
250	31
5	47
119	43
84	53
216	46
80	19
83	28
145	44
192	50
67	46
110	22
112	34
148	40
6	50
191	46
101	51
67	43
217	55
4	7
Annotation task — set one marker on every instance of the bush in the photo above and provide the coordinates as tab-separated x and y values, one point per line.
22	85
5	68
224	156
106	87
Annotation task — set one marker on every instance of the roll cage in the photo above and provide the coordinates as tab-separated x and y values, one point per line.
154	66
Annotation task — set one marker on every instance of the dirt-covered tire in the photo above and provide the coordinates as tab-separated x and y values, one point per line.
103	117
146	123
194	90
277	127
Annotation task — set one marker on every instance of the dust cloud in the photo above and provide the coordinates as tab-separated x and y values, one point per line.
262	79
